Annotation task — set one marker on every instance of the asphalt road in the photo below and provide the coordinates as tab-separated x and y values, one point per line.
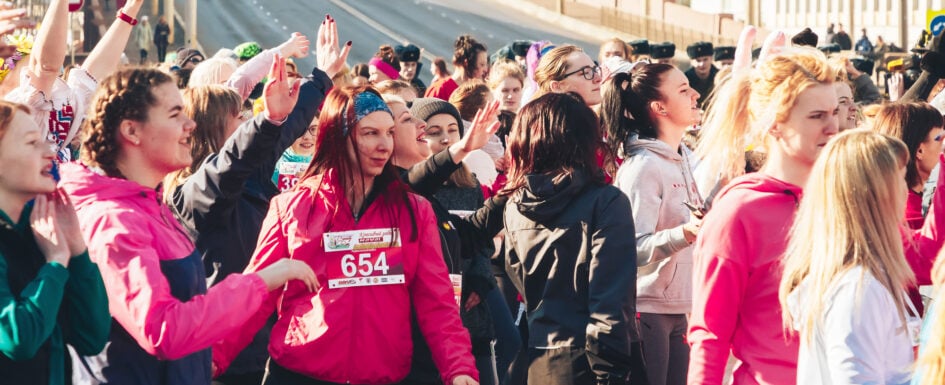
431	25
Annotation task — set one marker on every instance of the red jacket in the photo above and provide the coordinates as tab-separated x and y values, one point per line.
355	334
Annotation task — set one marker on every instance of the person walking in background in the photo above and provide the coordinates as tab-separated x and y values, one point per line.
842	39
162	33
144	36
864	47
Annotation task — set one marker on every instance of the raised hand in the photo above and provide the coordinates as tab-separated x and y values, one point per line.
329	56
280	96
68	222
296	46
483	126
46	231
774	44
743	49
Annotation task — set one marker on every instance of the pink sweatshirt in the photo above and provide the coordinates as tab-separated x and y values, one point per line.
737	270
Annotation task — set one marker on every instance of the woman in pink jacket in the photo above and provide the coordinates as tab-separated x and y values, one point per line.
375	250
781	106
787	105
165	318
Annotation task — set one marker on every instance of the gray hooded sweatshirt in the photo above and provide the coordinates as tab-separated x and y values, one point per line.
658	179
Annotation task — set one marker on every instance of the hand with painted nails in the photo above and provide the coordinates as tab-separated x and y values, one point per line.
297	46
328	55
280	94
483	126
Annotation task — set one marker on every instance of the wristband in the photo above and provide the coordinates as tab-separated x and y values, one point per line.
124	17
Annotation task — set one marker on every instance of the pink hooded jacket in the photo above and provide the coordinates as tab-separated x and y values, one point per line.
129	233
737	270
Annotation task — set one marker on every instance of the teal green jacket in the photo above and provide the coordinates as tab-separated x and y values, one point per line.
29	318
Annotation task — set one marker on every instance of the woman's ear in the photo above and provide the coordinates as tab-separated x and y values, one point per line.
657	108
129	131
557	87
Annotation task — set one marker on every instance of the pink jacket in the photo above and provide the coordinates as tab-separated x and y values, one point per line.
129	232
737	270
352	333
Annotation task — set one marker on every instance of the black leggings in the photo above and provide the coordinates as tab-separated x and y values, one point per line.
277	375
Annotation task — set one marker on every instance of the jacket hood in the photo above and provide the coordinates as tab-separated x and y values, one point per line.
86	186
759	182
545	196
658	147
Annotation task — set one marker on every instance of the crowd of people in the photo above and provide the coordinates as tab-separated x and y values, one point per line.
534	216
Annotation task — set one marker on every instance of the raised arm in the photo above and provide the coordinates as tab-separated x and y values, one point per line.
104	58
252	72
49	49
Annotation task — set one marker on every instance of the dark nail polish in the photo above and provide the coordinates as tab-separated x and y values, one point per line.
348	43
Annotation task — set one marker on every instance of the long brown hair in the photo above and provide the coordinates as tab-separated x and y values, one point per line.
336	129
210	107
466	50
551	135
123	95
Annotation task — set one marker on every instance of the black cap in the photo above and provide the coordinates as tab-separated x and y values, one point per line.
664	50
726	52
863	65
699	49
407	52
805	37
640	47
829	48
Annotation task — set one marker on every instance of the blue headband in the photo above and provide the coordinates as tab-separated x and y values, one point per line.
364	104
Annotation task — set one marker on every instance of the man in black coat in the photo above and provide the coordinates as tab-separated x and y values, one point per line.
702	74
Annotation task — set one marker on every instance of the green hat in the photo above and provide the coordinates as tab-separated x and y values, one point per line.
247	50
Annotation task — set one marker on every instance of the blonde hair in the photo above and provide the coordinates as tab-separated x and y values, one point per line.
470	97
931	363
552	67
212	71
505	69
749	103
834	231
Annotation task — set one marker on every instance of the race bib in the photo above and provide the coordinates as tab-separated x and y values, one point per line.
457	281
289	174
364	258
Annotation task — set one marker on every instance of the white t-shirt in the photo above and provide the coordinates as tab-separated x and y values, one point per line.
861	338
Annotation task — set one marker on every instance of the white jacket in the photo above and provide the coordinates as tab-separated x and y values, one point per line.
658	179
861	339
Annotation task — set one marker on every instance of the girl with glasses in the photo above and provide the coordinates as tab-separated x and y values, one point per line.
568	69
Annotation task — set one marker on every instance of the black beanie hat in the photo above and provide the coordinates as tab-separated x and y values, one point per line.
424	108
805	37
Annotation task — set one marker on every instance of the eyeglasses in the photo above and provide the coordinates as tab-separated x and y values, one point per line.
311	130
196	59
588	72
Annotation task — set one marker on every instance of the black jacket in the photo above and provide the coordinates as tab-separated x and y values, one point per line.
224	202
572	254
467	245
703	86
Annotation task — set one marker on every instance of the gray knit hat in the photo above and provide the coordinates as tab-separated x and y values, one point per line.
424	108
